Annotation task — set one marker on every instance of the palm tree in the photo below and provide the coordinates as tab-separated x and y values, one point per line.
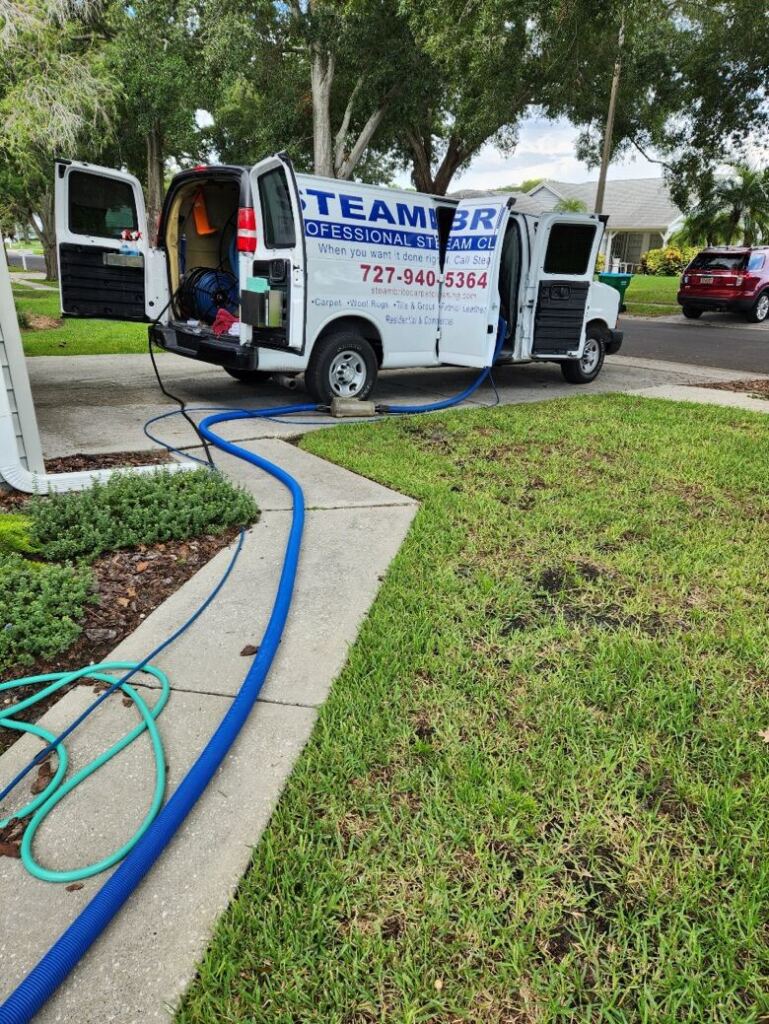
745	200
735	210
570	205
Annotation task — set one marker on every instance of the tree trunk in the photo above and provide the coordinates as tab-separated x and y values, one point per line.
322	77
421	161
155	181
609	131
46	234
346	169
421	157
733	223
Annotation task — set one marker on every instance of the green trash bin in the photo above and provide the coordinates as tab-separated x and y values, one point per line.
618	281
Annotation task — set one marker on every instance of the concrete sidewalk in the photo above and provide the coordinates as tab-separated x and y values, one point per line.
142	964
709	396
99	403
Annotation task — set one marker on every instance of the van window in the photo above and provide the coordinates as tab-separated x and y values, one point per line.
277	215
756	261
100	206
568	248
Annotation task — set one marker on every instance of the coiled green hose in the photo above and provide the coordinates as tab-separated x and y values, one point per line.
42	804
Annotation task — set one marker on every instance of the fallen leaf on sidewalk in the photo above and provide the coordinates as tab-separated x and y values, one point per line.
250	650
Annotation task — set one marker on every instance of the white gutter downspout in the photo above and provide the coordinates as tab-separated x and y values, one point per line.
12	468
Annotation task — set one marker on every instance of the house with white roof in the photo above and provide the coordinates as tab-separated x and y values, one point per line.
641	213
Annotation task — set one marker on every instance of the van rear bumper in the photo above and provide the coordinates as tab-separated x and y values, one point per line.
208	348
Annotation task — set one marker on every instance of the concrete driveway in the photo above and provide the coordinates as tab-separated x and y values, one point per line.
99	403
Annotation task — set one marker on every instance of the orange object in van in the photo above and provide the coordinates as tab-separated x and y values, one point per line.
200	213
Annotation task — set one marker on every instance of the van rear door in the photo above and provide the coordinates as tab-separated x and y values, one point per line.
470	304
100	212
564	252
280	250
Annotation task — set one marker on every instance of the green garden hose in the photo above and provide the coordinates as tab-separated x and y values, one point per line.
41	805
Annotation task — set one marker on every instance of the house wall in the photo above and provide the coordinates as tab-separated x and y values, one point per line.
14	373
629	246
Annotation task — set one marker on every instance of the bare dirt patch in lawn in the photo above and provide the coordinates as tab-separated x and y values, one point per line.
39	322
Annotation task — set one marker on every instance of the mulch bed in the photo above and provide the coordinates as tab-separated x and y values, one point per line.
11	501
757	388
129	585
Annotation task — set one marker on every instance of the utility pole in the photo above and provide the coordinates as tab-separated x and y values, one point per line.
609	132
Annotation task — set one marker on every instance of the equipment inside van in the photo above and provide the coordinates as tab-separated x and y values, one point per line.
266	272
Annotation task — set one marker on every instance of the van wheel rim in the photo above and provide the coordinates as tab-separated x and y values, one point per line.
763	307
590	356
347	374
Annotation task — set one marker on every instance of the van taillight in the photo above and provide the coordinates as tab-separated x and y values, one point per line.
246	229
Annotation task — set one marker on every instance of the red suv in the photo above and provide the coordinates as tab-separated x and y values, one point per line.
734	278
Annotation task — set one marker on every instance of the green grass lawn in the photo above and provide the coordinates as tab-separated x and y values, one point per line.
652	296
74	337
538	791
24	246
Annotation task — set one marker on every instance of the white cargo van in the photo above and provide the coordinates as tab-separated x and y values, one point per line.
266	272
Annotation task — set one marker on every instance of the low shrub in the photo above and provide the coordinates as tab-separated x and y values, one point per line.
132	509
669	261
40	609
16	534
600	263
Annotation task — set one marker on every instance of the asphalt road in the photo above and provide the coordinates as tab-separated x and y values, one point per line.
716	340
33	262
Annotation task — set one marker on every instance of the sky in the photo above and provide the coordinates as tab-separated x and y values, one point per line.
545	150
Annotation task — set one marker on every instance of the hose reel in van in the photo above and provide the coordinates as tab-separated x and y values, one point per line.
203	292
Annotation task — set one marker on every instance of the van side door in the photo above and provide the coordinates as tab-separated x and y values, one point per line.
470	300
279	257
563	255
107	268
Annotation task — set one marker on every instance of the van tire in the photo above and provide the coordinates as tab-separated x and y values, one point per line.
342	365
248	376
586	369
691	312
759	311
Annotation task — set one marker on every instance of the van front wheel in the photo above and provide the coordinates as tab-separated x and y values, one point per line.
342	365
586	369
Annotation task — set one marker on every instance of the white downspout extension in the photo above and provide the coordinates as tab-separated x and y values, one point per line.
12	469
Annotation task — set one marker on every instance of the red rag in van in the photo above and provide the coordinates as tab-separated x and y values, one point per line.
224	320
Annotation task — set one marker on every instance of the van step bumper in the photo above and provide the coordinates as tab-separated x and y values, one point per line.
208	348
